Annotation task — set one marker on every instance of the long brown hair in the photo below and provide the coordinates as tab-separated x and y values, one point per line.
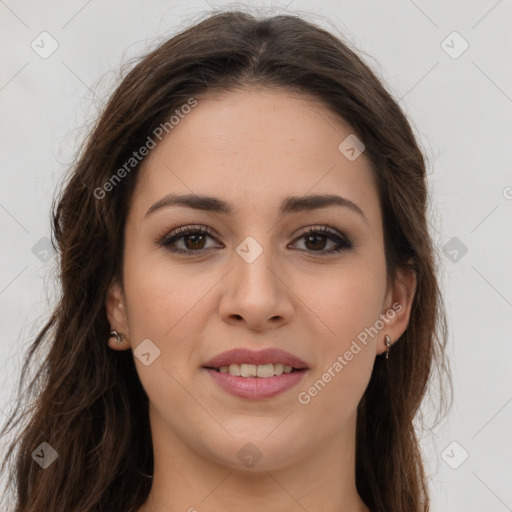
86	401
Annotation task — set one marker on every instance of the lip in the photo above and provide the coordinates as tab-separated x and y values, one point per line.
265	356
256	388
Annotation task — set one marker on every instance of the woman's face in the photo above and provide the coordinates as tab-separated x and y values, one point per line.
256	280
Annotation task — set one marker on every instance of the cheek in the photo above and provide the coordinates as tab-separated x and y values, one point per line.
347	300
346	354
162	294
162	305
169	304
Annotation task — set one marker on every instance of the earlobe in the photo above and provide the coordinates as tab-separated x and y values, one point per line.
116	317
398	308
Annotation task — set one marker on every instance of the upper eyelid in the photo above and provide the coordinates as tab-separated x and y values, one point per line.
181	231
321	227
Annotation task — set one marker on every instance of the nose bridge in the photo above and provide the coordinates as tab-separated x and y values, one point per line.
255	267
255	292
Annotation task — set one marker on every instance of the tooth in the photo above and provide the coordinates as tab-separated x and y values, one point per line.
265	370
248	370
278	369
234	369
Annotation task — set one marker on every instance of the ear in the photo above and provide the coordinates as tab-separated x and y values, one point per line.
116	314
397	307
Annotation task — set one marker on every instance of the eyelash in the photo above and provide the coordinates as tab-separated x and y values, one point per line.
343	243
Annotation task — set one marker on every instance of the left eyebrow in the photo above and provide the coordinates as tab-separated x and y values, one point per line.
290	204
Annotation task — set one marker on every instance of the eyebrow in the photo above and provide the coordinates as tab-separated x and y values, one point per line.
289	205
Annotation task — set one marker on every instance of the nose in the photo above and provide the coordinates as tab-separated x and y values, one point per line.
256	294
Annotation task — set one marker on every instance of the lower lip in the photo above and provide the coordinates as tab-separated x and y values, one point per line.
254	388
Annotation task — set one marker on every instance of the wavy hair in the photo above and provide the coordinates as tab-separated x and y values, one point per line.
86	401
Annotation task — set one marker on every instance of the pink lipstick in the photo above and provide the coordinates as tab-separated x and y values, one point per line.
256	374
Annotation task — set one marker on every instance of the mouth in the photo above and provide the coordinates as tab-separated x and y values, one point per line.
256	375
256	382
249	363
262	371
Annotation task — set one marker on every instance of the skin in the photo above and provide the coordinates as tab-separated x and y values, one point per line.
254	147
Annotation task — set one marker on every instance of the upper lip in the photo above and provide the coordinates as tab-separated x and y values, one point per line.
266	356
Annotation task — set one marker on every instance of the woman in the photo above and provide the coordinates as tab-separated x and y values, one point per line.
250	313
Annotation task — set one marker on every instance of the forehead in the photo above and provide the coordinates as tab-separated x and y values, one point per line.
253	147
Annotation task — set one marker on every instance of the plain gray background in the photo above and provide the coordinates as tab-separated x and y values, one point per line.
458	99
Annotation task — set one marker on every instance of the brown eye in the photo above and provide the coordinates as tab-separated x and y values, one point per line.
193	239
316	240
